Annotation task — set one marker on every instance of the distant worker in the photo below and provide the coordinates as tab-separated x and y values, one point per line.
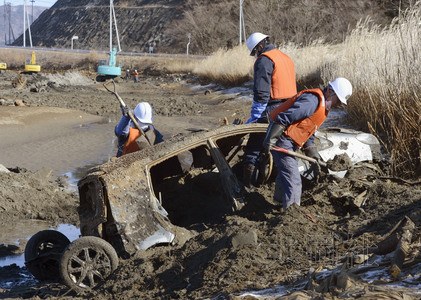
292	126
135	76
274	82
127	78
129	137
150	49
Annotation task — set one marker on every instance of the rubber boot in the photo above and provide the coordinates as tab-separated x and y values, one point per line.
248	170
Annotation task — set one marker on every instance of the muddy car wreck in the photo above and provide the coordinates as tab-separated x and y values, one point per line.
140	200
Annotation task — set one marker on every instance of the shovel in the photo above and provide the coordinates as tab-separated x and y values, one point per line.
129	111
299	155
265	164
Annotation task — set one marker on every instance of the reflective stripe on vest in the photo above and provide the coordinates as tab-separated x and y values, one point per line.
300	131
283	77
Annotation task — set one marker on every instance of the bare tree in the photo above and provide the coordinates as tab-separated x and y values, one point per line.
214	24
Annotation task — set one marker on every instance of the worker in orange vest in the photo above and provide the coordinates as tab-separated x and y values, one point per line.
292	126
135	76
274	82
130	139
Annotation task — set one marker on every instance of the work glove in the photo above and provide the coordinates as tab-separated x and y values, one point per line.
273	133
124	110
311	151
315	168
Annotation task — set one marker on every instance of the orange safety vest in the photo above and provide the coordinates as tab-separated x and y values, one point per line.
283	77
132	144
300	131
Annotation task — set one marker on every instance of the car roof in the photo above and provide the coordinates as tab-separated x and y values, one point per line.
180	143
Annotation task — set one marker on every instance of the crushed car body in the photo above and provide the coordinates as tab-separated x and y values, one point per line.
127	201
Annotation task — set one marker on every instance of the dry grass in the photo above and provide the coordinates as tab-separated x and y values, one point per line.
62	61
310	61
227	67
383	64
50	60
178	65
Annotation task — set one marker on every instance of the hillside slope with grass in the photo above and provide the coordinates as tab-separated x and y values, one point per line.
211	24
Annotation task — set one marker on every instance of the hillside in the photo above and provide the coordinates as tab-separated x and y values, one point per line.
165	24
16	22
140	23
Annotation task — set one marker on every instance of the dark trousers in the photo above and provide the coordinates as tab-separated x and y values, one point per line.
254	144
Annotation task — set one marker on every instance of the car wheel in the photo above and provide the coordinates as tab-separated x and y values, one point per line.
43	252
86	262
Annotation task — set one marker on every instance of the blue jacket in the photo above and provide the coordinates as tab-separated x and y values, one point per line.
302	108
263	69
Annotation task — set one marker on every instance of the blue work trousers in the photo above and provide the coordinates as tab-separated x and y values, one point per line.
288	184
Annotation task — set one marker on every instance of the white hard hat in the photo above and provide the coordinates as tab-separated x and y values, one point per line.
342	88
254	39
143	112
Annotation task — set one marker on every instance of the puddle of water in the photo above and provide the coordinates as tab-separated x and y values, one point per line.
18	260
22	230
75	175
70	231
244	92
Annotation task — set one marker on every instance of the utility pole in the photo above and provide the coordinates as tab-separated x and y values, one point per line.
24	29
32	10
242	33
9	14
25	16
5	19
8	31
29	29
111	25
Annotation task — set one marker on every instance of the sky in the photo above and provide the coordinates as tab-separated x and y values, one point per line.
45	3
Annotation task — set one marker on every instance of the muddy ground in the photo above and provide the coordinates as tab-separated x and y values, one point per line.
329	247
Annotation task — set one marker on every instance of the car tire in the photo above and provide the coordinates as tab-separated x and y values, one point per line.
43	253
87	262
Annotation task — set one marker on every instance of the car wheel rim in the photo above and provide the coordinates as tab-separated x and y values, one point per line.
88	267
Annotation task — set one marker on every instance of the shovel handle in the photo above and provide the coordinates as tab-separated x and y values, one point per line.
130	112
299	155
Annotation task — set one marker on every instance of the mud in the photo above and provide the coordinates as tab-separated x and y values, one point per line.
314	246
340	163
